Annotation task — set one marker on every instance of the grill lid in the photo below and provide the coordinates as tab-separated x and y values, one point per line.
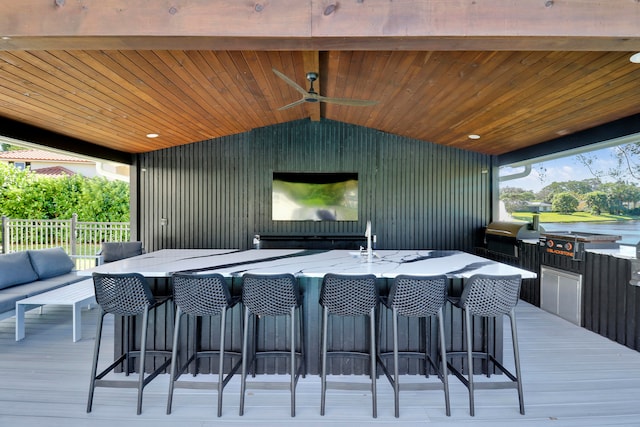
512	230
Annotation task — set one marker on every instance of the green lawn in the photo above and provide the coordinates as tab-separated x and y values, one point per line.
574	217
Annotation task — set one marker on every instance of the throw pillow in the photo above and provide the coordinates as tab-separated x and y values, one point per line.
16	269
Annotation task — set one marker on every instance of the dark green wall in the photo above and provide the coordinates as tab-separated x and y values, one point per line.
217	193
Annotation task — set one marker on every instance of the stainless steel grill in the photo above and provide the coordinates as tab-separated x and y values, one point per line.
504	237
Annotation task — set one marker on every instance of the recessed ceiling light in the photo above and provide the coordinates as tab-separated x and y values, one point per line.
474	136
152	135
635	58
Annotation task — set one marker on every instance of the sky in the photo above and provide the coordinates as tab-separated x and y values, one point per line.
560	170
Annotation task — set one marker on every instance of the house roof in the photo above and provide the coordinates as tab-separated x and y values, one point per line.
54	171
40	155
98	79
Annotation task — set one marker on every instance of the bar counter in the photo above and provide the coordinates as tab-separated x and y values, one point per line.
309	266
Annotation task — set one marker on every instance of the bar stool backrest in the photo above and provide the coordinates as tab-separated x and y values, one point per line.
349	295
491	296
201	294
270	294
418	296
123	294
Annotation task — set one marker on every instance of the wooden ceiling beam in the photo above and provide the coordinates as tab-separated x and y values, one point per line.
15	130
321	25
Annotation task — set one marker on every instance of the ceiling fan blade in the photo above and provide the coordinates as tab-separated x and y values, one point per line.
293	104
346	101
290	82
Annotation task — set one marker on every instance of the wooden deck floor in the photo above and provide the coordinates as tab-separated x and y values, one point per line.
572	377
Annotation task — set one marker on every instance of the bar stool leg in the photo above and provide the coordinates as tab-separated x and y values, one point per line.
293	362
194	344
372	351
256	327
303	345
94	367
223	322
245	338
516	356
174	359
443	361
467	326
143	353
323	379
126	320
396	371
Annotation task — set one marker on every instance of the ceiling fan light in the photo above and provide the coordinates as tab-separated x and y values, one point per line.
635	58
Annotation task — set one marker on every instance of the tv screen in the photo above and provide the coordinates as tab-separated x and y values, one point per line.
305	196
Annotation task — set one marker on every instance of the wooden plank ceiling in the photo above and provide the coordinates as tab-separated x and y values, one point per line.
114	97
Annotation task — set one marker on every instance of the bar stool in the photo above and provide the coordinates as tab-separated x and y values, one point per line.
272	295
125	295
489	297
349	295
421	297
199	295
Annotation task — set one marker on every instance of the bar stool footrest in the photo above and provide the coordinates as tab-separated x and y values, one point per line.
344	385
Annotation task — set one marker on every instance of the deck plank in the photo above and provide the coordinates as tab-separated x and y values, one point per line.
572	377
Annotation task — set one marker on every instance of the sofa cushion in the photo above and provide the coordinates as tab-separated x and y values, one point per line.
50	262
114	251
8	298
40	286
16	269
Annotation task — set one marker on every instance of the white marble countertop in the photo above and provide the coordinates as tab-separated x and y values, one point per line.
385	263
624	251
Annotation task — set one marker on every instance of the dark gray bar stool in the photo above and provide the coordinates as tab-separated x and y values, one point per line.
272	295
489	297
199	295
421	297
125	295
349	295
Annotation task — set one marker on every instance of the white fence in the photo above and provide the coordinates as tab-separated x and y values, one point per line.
75	237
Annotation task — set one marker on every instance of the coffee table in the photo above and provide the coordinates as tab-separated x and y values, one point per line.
76	295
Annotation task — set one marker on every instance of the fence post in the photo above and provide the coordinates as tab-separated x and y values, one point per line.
5	234
74	225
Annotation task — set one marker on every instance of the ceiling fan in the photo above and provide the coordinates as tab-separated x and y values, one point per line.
312	96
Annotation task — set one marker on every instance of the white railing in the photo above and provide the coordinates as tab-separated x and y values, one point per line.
75	237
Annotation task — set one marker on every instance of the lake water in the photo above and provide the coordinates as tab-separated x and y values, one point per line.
629	230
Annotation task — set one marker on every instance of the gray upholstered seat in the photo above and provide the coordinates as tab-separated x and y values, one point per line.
421	297
489	297
126	295
115	251
198	295
272	295
348	295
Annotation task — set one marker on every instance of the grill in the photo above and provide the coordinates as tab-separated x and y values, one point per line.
572	244
504	237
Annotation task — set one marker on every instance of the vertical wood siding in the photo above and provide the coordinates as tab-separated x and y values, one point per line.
217	193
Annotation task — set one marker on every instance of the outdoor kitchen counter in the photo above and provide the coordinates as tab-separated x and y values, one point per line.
310	266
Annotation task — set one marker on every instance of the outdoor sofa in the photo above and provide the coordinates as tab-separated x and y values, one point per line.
27	273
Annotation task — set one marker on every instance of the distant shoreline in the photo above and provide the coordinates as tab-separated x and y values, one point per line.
556	217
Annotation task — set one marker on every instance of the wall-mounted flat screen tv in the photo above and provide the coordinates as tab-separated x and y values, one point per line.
310	196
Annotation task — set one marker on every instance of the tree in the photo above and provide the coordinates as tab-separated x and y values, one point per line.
627	163
597	202
24	194
515	198
621	196
9	147
565	203
575	187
